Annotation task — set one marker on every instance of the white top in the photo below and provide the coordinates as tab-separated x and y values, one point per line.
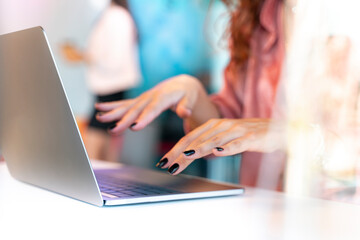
27	212
112	53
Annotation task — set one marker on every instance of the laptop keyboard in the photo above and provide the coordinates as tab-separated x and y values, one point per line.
116	187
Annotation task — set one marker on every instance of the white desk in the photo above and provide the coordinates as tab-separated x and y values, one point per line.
27	212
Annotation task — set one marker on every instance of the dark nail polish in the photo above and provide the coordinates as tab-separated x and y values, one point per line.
219	149
100	114
132	125
173	168
112	127
162	163
189	152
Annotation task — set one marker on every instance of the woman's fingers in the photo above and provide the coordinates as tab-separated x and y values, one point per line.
129	118
179	93
233	147
183	103
180	146
199	150
159	104
222	137
214	142
108	106
113	115
136	113
260	137
197	144
217	134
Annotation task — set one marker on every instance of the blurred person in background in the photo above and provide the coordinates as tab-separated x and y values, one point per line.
112	64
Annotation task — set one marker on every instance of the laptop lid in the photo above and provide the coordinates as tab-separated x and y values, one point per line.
38	135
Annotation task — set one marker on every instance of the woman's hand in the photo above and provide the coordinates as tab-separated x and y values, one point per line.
183	94
224	137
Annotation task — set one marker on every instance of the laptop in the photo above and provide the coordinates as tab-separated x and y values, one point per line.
42	145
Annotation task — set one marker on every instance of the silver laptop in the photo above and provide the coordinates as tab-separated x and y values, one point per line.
42	146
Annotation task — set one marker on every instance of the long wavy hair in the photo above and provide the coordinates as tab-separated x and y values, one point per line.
244	18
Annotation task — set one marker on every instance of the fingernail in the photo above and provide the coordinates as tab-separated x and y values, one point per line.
173	168
219	149
162	163
189	152
132	125
100	114
112	127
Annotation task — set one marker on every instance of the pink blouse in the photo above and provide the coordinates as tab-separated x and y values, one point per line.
251	94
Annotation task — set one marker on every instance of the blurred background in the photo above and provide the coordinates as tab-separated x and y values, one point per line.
174	37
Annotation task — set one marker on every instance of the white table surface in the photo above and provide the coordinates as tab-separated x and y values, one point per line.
27	212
